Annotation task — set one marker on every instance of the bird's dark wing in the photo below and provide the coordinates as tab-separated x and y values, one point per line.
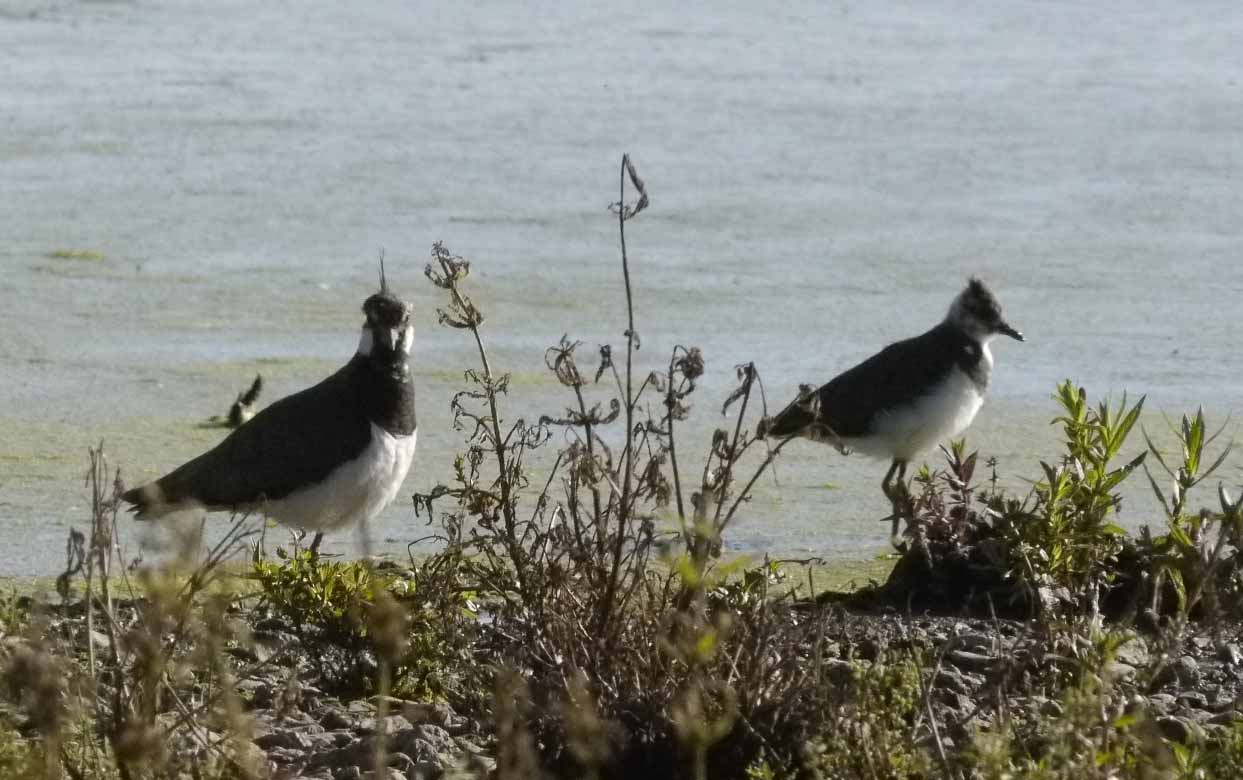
297	440
850	402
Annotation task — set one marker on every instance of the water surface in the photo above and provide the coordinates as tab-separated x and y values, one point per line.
191	193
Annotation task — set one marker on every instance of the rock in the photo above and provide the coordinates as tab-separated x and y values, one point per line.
262	693
481	766
951	679
265	645
274	624
437	713
348	773
284	738
425	742
960	703
437	736
361	754
389	774
333	719
1178	730
401	762
1226	718
100	640
392	725
429	770
466	746
355	754
285	755
1134	652
1049	708
839	672
1187	669
340	738
1193	700
1161	702
247	754
1119	671
1231	654
965	659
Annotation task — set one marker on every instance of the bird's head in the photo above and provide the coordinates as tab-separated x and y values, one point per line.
977	312
388	333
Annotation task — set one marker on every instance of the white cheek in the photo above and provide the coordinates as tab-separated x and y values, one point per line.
365	342
407	339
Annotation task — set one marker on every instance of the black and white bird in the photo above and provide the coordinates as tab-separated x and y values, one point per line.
908	397
328	457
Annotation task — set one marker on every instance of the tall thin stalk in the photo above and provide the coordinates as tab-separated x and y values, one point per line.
624	213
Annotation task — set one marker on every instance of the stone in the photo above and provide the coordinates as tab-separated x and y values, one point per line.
1193	700
340	738
428	770
1177	730
437	713
284	738
1187	669
1161	702
965	659
392	725
952	680
286	755
467	746
1134	652
1226	718
100	640
482	766
1049	708
334	719
438	737
1231	654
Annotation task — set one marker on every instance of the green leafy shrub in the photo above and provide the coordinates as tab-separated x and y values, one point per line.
1064	543
353	604
1197	558
312	593
871	727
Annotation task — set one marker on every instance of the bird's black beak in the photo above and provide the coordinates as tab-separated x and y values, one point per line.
1004	329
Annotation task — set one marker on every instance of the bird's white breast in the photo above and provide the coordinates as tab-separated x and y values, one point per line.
933	418
355	491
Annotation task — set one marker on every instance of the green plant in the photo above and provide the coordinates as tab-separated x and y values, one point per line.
871	729
1189	554
313	593
1065	546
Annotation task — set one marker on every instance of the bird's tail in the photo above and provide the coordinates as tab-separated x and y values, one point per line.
250	396
148	502
796	418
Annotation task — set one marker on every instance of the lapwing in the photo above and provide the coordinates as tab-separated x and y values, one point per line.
328	457
244	407
908	397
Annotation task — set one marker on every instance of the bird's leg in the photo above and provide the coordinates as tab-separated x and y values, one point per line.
894	488
886	485
319	537
903	498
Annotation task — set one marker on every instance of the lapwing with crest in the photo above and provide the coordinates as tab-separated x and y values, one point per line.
907	398
328	457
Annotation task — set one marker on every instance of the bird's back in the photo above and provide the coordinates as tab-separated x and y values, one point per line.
298	439
893	379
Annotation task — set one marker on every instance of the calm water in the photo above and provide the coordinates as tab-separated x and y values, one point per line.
823	180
